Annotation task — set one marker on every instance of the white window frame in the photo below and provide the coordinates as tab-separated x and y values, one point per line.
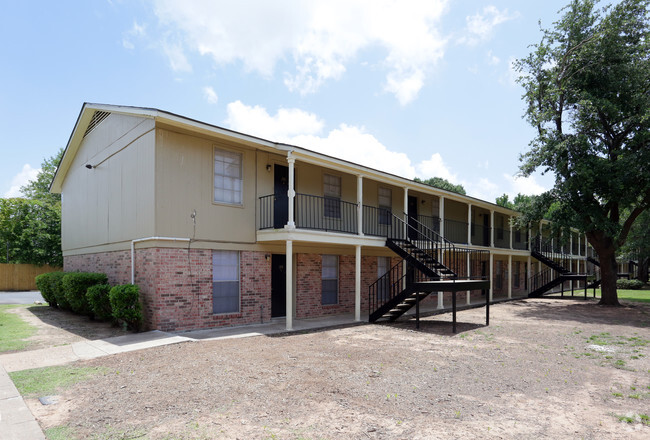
332	195
218	279
325	277
232	184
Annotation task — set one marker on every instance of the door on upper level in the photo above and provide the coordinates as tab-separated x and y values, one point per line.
281	199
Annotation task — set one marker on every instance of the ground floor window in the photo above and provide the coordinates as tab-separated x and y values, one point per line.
225	282
330	276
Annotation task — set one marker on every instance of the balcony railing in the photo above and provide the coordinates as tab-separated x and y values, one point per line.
456	231
481	235
501	238
432	223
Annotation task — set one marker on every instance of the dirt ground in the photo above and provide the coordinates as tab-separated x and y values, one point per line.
543	369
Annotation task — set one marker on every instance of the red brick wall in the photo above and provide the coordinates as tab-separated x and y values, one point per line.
176	291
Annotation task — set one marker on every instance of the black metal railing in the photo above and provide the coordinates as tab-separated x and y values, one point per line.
444	259
481	235
456	231
325	214
502	238
267	205
542	279
520	239
552	252
377	221
430	222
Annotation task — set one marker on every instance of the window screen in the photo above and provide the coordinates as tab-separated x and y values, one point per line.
228	181
332	193
385	202
330	276
225	282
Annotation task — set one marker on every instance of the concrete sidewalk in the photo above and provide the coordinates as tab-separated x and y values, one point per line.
18	423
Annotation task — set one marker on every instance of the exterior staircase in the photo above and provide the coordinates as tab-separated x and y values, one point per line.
426	267
557	272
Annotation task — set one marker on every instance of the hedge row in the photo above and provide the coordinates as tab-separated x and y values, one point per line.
629	284
90	294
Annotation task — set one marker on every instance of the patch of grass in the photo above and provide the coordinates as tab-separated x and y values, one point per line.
62	432
617	394
631	295
13	330
45	381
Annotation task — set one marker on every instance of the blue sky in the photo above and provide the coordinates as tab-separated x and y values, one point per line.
416	88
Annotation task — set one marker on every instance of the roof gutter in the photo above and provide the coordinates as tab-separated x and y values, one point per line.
140	240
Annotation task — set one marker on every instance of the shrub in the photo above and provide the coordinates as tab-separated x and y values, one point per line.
56	286
125	302
75	285
44	284
629	284
99	301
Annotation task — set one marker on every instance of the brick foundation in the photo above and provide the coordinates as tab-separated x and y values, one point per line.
176	289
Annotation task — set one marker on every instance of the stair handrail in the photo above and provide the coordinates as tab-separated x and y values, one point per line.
546	248
395	280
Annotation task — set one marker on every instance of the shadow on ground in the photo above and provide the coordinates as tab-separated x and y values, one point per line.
589	311
78	325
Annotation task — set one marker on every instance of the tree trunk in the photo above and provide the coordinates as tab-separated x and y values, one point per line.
608	276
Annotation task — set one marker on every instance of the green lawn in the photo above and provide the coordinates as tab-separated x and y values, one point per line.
43	381
642	295
13	330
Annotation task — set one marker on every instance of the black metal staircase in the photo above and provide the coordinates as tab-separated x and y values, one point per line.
429	263
558	271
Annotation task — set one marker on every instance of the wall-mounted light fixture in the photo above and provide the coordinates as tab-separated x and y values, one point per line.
267	257
268	168
89	166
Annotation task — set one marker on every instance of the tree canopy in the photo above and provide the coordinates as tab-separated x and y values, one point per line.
519	203
30	226
587	89
441	183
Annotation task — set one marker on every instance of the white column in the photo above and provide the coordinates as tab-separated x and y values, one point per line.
530	236
529	270
509	276
289	282
510	223
469	223
491	275
570	243
491	228
406	220
357	283
291	224
441	215
360	204
469	274
441	304
578	244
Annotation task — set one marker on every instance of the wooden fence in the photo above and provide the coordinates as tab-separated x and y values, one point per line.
21	276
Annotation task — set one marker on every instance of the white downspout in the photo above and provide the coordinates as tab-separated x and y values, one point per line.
138	240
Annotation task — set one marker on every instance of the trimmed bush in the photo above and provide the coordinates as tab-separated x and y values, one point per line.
56	285
44	284
125	302
99	301
629	284
75	285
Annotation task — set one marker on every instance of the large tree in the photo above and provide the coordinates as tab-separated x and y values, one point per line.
441	183
587	89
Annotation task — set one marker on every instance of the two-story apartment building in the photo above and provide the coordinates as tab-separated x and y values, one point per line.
223	228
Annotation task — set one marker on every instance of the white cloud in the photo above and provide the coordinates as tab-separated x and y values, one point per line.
176	56
136	31
210	95
435	167
283	127
318	38
21	179
492	59
480	26
524	185
509	78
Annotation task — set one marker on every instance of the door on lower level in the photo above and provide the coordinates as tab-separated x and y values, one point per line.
278	285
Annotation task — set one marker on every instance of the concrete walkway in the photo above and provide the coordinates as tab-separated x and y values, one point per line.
18	423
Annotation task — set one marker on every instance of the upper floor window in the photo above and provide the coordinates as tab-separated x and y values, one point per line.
332	193
228	177
385	202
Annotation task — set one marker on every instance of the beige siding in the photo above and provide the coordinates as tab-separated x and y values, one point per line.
114	201
184	183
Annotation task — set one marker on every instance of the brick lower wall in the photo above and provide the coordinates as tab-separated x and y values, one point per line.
176	288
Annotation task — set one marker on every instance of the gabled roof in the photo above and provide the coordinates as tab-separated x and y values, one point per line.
92	114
